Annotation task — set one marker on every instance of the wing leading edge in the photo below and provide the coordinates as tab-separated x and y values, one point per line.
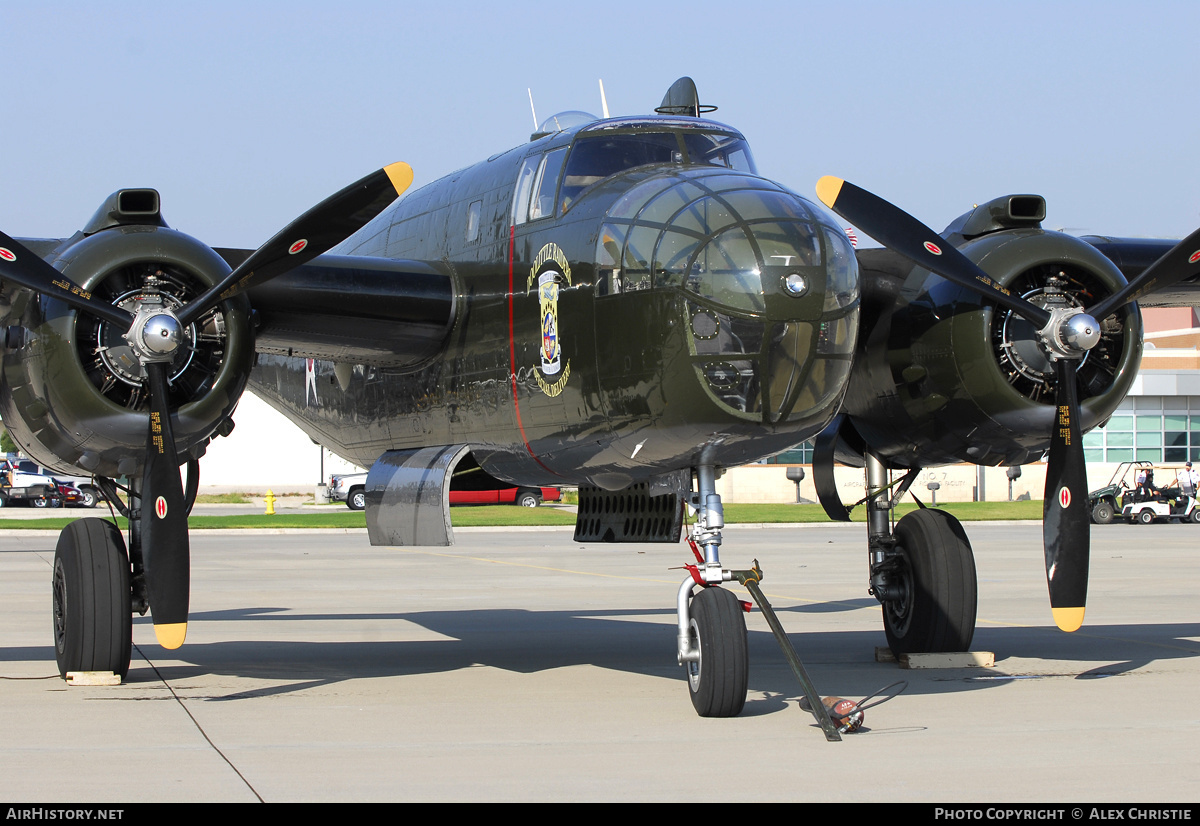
355	309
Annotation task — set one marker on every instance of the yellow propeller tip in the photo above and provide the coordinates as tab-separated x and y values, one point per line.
1068	619
401	176
828	189
170	635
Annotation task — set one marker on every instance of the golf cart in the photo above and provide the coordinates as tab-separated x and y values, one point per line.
1106	502
1146	503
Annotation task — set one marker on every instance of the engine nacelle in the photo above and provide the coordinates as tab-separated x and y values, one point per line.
942	376
73	394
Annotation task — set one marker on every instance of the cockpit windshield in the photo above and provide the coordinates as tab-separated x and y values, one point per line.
600	155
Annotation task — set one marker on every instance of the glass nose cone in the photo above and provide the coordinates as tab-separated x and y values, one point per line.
771	284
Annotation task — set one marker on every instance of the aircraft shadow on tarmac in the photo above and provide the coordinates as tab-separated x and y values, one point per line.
528	641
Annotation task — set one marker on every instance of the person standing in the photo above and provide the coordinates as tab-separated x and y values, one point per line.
1188	480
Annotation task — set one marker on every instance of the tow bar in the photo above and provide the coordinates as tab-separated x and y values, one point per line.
749	580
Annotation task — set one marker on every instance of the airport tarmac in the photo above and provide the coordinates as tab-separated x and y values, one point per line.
522	666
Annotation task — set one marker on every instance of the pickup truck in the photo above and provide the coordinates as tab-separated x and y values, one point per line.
28	488
351	489
88	496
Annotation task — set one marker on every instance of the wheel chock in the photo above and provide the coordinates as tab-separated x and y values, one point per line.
749	580
92	678
951	659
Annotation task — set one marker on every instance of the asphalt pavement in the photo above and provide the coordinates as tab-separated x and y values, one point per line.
521	666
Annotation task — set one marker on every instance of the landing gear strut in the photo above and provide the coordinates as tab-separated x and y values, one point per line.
712	630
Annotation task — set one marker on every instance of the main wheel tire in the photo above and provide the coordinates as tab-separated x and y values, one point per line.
357	500
1145	516
93	622
528	499
1103	513
937	575
718	681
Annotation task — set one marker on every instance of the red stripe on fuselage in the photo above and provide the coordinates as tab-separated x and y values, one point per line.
512	347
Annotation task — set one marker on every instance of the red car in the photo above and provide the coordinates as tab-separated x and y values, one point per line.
487	491
526	497
71	495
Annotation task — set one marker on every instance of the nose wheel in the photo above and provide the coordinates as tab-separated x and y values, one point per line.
719	675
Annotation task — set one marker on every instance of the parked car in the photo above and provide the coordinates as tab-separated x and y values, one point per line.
486	490
72	497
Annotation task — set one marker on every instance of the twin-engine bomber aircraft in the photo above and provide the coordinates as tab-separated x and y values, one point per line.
624	305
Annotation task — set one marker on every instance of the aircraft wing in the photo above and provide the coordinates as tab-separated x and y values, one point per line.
1133	255
353	309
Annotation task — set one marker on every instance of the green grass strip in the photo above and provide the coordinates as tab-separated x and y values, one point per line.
507	515
964	511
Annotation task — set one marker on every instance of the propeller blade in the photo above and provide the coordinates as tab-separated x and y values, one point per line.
904	234
1066	531
324	226
1182	261
20	266
164	529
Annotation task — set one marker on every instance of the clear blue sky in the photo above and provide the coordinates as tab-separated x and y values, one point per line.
245	114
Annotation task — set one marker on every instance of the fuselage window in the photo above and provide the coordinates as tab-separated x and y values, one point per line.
473	213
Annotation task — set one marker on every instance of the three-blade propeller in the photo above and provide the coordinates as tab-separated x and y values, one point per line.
155	334
1065	333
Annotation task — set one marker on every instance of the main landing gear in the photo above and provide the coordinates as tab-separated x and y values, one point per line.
93	623
98	584
922	572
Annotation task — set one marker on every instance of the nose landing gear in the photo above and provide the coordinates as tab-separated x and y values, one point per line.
712	631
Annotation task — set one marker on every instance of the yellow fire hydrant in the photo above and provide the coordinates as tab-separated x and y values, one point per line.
270	503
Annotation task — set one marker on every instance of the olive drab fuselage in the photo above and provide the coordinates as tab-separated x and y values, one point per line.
616	308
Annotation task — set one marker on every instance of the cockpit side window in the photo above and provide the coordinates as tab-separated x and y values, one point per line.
719	149
520	208
537	182
546	184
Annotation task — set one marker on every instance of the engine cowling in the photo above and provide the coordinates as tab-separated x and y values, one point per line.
74	396
942	376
